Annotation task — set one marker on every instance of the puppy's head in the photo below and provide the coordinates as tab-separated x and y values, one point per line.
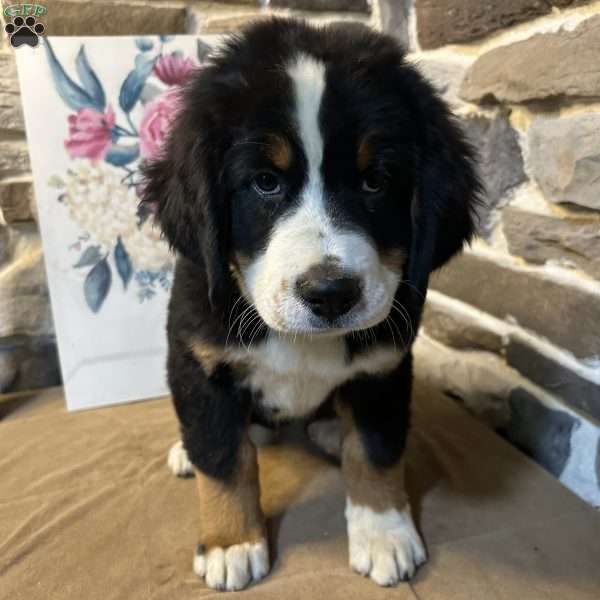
316	171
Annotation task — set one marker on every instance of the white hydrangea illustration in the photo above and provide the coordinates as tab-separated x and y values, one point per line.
105	207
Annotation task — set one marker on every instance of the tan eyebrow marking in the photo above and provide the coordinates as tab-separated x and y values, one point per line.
364	155
394	259
280	152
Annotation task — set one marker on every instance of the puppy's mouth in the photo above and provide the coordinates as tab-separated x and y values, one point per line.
319	328
326	310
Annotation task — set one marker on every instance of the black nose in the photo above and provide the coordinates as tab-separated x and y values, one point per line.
329	298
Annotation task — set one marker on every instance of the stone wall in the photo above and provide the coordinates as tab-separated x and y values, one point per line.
512	328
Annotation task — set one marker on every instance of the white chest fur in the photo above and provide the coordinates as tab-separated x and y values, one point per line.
296	376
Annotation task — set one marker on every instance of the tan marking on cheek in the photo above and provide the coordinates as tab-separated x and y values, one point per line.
210	357
241	261
364	155
378	488
230	511
280	152
394	260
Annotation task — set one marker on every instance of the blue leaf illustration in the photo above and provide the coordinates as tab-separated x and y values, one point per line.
90	81
134	82
90	256
123	262
73	95
144	44
97	284
122	155
166	38
202	50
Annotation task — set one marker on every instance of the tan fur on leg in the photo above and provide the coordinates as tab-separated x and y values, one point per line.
230	511
378	488
383	541
233	548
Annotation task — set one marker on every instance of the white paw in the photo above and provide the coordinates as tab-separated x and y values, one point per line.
178	461
232	568
327	435
385	546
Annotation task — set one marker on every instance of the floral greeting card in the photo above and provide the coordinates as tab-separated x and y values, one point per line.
95	109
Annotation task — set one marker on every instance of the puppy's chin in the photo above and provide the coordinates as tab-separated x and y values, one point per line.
302	322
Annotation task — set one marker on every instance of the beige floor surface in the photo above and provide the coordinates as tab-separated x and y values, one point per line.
88	510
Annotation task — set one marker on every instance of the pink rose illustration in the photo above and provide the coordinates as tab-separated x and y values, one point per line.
174	69
90	133
157	118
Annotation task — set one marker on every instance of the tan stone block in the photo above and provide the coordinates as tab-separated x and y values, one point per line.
442	22
14	157
24	299
11	112
17	201
551	65
113	18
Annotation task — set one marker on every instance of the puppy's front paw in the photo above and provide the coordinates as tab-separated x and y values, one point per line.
383	545
234	567
178	461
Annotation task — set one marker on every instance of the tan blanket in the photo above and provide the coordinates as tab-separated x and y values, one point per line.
88	510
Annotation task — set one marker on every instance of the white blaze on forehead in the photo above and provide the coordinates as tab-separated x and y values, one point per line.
310	225
308	77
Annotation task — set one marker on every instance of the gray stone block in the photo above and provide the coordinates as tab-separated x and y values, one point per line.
395	19
542	433
28	363
555	377
458	331
568	316
540	238
446	76
500	162
565	157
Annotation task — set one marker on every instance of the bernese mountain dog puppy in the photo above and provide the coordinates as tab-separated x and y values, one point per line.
310	184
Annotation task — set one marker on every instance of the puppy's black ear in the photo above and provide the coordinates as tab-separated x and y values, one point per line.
182	189
447	194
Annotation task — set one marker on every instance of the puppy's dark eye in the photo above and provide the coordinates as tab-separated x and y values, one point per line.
266	183
374	182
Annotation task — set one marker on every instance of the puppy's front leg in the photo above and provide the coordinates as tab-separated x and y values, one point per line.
214	415
383	541
233	549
